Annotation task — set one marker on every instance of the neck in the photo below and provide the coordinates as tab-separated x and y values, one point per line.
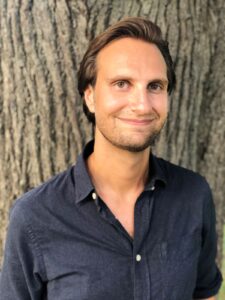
116	170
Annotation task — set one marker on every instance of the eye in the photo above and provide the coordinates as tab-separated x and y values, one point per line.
155	86
122	84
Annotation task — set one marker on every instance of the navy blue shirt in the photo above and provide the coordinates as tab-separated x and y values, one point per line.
63	243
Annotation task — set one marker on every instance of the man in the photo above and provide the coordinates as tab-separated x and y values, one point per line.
122	223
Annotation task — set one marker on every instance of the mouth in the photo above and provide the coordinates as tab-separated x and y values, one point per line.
140	122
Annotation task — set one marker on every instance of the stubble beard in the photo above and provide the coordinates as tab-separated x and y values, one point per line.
123	144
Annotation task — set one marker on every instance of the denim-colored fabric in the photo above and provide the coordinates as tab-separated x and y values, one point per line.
64	245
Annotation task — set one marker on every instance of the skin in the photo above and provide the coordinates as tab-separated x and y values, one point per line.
130	96
130	103
212	298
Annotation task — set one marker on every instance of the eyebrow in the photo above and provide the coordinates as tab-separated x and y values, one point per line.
128	78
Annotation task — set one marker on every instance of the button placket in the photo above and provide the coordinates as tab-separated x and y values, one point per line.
143	212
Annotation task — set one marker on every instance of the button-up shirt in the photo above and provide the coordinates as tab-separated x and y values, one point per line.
64	243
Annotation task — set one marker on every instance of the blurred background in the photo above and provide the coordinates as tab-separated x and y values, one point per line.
42	126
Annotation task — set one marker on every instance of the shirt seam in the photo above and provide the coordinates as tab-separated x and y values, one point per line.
34	239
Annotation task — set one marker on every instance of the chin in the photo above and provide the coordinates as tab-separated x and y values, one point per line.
135	146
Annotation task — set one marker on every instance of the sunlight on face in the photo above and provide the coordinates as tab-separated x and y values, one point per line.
129	99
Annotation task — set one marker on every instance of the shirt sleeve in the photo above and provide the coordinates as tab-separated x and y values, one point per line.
22	276
209	277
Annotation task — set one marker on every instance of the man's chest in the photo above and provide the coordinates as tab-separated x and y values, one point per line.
96	259
124	213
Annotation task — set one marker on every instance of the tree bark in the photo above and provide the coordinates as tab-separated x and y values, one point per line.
42	127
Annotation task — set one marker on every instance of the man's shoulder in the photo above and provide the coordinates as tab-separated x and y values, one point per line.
48	193
177	174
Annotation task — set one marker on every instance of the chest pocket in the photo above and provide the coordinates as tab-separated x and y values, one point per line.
179	264
173	266
181	249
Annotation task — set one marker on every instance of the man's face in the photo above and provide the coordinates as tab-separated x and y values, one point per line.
129	99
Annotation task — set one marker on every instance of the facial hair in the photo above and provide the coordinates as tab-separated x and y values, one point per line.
133	147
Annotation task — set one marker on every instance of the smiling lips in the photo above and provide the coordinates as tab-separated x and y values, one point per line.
137	121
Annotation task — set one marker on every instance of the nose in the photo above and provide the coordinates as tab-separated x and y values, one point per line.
140	101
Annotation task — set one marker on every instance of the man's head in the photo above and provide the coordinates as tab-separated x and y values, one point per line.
134	27
125	78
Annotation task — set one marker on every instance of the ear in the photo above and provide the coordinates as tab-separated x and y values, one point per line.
89	98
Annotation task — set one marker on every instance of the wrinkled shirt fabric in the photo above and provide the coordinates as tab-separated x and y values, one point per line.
63	243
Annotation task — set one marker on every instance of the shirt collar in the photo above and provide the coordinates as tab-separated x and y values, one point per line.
84	185
157	172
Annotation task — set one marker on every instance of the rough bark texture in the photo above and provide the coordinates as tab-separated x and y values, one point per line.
42	128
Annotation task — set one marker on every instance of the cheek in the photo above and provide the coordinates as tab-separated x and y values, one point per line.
160	105
107	102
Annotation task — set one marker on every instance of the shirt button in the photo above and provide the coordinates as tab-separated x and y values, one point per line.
152	188
94	196
138	257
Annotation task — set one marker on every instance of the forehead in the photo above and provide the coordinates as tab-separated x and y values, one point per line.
130	53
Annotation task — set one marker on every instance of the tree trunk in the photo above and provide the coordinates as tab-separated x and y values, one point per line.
42	127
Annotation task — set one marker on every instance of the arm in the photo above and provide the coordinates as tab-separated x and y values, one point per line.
21	276
209	277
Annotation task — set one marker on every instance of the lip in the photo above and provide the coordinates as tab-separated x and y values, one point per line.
136	121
